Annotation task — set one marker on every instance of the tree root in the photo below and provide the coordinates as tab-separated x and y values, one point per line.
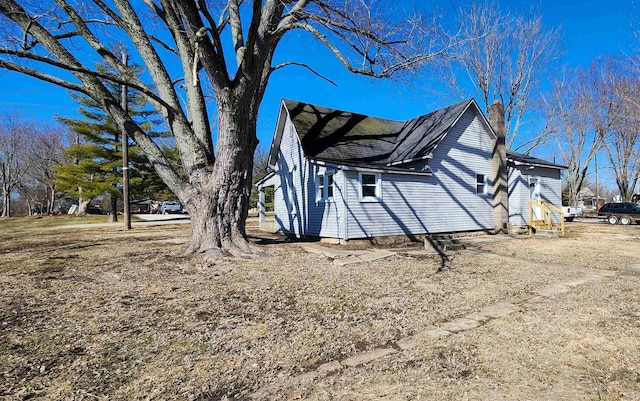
208	255
247	246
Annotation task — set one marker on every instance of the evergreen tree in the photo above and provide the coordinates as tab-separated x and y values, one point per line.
94	166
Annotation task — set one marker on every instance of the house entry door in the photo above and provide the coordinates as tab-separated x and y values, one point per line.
534	195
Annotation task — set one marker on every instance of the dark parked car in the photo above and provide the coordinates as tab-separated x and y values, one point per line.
623	213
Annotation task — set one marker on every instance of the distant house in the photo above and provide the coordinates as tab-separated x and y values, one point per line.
344	175
587	199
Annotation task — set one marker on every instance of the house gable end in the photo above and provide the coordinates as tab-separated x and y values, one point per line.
441	122
274	151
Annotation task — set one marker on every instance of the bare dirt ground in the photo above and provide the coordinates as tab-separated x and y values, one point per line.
105	314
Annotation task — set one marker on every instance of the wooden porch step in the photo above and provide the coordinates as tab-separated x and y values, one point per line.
538	223
547	233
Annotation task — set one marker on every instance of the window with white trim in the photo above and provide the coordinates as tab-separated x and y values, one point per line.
324	187
370	187
329	186
481	184
320	187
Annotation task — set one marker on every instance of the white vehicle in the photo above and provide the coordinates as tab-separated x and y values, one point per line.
170	207
571	212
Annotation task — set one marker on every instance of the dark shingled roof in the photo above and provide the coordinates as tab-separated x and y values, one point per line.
341	136
421	134
530	160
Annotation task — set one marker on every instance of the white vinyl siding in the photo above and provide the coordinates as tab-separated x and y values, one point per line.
444	202
549	189
296	207
324	218
409	204
288	192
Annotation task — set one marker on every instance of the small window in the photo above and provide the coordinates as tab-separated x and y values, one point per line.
329	186
370	187
481	184
324	187
320	187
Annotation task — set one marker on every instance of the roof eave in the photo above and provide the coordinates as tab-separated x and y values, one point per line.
347	167
265	178
415	159
554	166
276	140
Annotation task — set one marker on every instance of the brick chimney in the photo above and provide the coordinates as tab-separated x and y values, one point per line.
500	186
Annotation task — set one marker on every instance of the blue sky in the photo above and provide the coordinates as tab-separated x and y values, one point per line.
589	28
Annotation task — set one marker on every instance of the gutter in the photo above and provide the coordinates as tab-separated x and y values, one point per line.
517	163
346	167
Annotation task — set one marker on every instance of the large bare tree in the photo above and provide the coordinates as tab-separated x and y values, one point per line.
503	56
192	49
622	141
568	112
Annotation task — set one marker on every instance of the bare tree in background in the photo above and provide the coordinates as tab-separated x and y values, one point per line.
15	135
568	113
593	110
503	56
622	141
182	45
44	151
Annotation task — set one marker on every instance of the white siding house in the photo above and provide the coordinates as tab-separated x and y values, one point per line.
531	179
343	175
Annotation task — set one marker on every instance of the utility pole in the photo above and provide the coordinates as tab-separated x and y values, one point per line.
595	160
125	155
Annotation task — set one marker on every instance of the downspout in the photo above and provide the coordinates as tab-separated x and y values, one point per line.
344	206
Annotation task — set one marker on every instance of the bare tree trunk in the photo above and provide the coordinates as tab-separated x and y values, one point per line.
52	200
220	205
29	202
4	204
6	197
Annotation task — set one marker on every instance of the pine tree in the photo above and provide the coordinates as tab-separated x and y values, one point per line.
94	166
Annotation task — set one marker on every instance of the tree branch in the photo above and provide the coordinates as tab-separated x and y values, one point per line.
288	63
387	71
211	54
215	32
133	84
236	30
195	97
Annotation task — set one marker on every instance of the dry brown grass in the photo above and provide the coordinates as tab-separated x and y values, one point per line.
107	314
